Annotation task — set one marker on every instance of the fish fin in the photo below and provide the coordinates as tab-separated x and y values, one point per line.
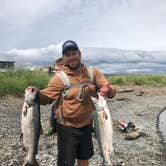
25	110
21	137
22	145
23	148
41	129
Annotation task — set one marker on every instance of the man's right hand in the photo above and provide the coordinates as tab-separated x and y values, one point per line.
104	89
31	88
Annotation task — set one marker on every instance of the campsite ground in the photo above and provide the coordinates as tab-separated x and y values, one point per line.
140	105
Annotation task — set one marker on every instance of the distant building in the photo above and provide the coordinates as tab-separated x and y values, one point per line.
5	65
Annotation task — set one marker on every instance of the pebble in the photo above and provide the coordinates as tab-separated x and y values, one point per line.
140	151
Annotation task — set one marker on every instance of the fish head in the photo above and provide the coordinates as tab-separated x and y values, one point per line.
99	102
31	97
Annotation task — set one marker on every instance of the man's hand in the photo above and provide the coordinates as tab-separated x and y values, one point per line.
31	88
104	89
88	91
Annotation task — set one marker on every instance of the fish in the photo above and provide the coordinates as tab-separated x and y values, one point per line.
31	126
103	128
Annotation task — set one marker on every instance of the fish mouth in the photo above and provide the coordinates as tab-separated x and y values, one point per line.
32	97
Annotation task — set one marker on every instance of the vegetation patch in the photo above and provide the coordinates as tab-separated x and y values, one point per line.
155	80
15	82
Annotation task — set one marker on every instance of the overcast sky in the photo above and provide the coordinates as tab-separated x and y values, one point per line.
126	24
32	31
109	61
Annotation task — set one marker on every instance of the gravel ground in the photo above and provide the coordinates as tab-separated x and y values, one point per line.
140	106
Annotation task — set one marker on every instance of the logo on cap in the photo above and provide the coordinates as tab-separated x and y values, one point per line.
69	44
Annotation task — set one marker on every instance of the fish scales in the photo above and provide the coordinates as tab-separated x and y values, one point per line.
103	128
31	126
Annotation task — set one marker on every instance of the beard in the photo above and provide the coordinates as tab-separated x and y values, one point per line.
73	67
74	64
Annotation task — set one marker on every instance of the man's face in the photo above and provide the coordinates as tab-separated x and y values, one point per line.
72	58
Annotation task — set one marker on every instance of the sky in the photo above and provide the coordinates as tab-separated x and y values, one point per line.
108	60
125	24
123	35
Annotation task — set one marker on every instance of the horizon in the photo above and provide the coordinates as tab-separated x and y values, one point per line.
108	60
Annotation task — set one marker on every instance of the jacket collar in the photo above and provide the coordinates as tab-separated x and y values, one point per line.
67	70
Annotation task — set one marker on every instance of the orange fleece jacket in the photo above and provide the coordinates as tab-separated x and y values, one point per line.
79	113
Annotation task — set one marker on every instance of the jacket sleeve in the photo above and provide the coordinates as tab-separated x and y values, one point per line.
52	91
100	79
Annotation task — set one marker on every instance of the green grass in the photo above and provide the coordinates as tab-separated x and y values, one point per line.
153	80
15	82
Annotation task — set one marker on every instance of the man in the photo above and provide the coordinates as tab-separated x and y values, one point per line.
75	116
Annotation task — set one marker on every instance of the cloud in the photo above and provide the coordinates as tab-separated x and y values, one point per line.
32	57
118	61
126	24
110	61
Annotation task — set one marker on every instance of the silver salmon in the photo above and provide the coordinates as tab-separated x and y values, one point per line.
31	126
103	128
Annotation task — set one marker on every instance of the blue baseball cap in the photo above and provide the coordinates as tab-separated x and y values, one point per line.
69	44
